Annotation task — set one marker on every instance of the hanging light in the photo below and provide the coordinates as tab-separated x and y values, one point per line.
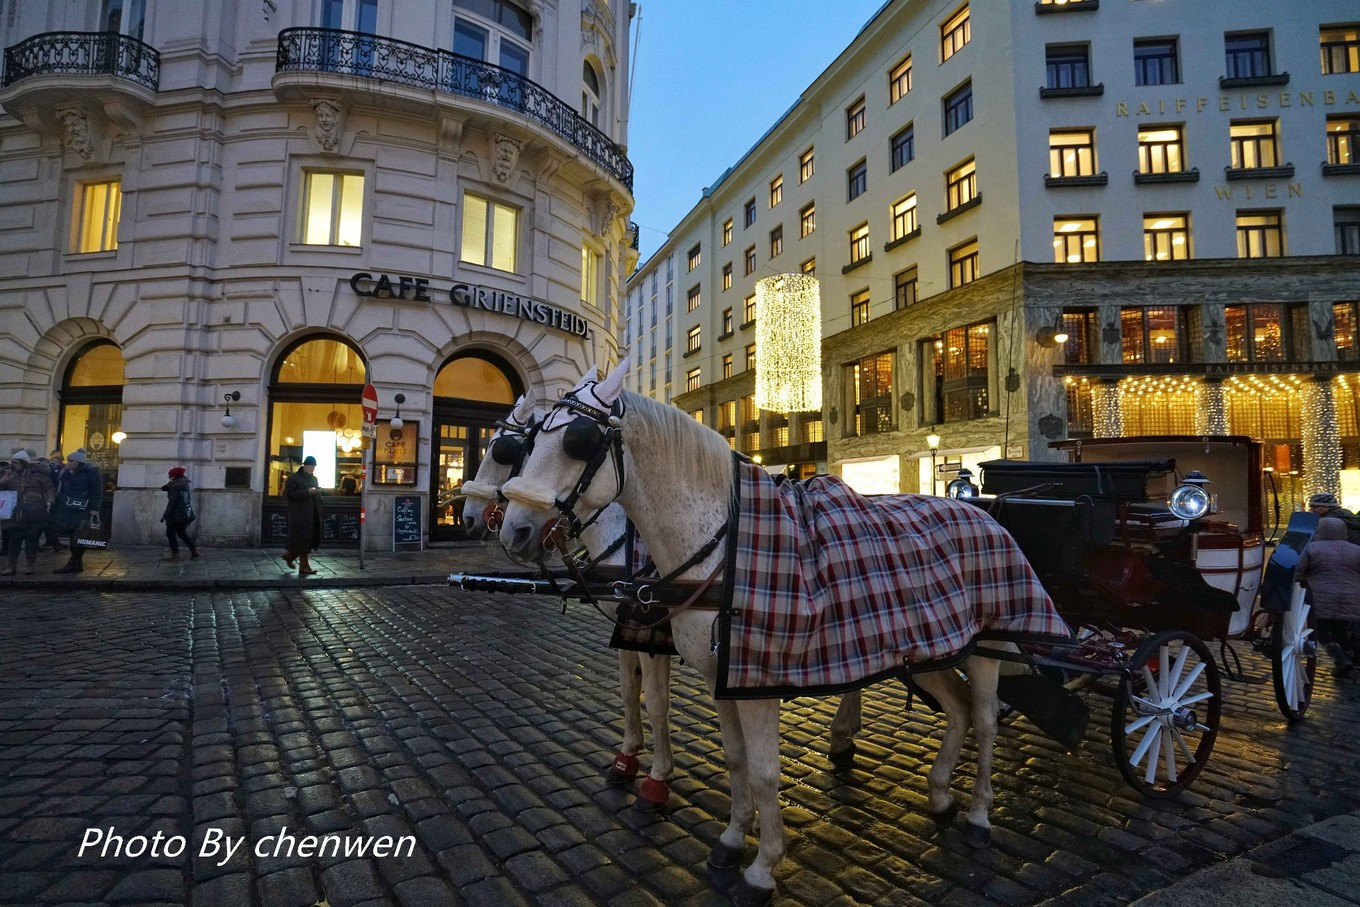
788	343
118	437
228	420
397	422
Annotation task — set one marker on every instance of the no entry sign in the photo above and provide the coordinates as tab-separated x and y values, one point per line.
370	404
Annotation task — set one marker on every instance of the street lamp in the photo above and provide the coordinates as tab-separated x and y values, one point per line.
933	442
397	423
228	420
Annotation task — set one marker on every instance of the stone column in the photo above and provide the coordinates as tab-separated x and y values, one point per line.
1107	415
1212	418
1321	440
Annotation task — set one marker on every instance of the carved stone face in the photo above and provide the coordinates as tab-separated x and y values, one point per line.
505	154
327	123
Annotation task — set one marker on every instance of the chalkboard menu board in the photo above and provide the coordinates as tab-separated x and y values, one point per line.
407	531
277	521
342	525
339	524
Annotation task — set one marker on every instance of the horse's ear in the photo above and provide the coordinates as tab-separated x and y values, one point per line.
590	377
524	409
611	388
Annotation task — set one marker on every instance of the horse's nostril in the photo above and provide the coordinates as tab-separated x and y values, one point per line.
520	537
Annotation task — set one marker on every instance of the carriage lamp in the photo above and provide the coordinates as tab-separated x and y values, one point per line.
397	422
228	420
962	487
1191	500
1051	336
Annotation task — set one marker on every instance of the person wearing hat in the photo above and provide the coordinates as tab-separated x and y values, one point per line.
34	495
1329	568
179	513
80	491
304	516
1325	505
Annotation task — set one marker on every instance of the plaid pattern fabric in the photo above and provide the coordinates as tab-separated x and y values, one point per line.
831	590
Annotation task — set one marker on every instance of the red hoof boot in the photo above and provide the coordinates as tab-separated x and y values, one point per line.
653	795
622	770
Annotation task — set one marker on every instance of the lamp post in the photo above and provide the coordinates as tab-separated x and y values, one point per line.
932	441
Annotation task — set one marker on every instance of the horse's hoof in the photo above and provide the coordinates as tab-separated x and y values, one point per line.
744	894
945	817
976	835
724	858
623	769
653	796
844	759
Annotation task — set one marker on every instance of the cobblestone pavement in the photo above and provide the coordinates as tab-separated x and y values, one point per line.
481	724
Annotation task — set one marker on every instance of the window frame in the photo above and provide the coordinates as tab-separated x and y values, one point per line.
1347	140
776	190
110	204
859	243
807	165
749	214
1063	238
857	179
1067	66
807	220
693	298
1257	57
899	80
1349	47
1254	150
489	237
957	108
960	184
1153	236
904	217
1082	153
1148	149
942	383
727	276
861	405
336	228
1268	237
727	232
777	241
694	257
859	308
964	263
1164	54
902	147
694	338
902	282
749	260
1346	232
956	32
856	118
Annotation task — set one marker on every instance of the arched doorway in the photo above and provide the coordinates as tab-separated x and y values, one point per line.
91	412
471	392
315	410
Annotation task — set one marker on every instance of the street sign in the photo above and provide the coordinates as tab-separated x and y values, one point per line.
370	403
368	429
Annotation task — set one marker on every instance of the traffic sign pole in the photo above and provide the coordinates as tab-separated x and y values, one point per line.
369	401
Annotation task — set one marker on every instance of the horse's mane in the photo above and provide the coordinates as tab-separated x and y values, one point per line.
686	441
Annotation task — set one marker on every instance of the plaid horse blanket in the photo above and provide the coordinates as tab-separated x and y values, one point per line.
830	590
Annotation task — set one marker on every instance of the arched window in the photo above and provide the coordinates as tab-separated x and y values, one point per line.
91	415
472	377
590	94
315	410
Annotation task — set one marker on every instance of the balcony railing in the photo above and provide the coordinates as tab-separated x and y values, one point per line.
83	54
390	60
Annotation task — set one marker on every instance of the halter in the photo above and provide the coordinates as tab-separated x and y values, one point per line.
510	445
591	436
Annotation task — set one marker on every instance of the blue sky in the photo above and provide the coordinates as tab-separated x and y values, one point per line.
710	77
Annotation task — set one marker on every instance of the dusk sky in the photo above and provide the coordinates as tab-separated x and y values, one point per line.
710	77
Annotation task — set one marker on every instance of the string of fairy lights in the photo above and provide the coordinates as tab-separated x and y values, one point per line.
788	347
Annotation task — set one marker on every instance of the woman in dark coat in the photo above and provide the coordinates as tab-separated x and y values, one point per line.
33	483
80	491
304	516
1329	569
179	513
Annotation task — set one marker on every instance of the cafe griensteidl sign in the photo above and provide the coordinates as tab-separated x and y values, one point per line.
470	296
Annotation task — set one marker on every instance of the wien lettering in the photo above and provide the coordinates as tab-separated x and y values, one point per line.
470	296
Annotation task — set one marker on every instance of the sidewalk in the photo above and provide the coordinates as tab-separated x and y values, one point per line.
124	567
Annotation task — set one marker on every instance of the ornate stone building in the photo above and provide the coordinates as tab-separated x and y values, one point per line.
260	208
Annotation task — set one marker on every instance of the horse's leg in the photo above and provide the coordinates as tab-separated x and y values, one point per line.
983	673
952	695
625	765
656	682
844	727
727	853
760	728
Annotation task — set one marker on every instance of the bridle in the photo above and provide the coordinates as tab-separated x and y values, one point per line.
591	436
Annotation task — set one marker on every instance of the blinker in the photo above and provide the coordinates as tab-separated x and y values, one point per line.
582	439
507	450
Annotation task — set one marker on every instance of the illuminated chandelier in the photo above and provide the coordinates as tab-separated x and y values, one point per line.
788	343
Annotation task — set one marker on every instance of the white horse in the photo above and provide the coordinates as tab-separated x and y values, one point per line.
638	671
673	477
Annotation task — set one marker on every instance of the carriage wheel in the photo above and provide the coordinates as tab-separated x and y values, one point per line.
1293	656
1166	713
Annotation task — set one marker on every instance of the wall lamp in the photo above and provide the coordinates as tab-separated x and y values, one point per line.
1051	336
397	423
228	420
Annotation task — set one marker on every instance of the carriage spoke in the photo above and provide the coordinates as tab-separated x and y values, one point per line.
1152	735
1169	750
1188	681
1139	724
1179	671
1198	697
1153	689
1183	745
1150	773
1164	672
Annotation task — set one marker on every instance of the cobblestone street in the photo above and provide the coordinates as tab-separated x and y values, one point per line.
481	725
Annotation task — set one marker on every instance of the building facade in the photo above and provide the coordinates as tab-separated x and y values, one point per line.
1038	221
222	221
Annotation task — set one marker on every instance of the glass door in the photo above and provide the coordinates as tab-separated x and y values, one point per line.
460	445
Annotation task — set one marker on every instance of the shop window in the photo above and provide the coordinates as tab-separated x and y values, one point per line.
490	233
95	216
1256	333
869	383
332	208
91	414
314	410
957	371
1152	335
1347	317
1080	327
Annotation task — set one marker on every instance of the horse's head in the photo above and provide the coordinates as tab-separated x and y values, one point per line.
505	452
572	471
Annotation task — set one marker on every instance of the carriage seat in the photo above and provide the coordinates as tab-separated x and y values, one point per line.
1112	482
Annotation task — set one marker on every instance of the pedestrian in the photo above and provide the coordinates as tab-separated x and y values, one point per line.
79	494
56	465
179	513
1329	569
1326	505
33	486
304	516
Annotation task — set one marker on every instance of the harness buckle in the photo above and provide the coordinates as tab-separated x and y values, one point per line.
644	596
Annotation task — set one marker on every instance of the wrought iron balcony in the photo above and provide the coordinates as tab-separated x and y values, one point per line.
83	54
389	60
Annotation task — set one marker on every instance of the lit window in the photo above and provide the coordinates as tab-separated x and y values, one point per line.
333	209
95	216
751	260
1340	48
1247	55
727	276
776	190
807	219
1072	153
955	33
809	267
693	258
692	339
1166	237
1260	234
1346	316
748	314
956	374
751	360
727	365
857	180
692	299
899	81
960	185
1152	335
807	165
904	217
777	241
855	119
902	148
859	308
869	383
1075	240
692	383
1161	150
859	243
963	264
727	231
590	277
958	107
904	288
1253	145
490	233
1155	62
726	322
1067	66
697	415
1343	140
1255	333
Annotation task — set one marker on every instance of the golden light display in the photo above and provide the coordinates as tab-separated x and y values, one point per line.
1321	441
788	343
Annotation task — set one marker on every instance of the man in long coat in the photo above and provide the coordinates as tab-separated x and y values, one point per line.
304	516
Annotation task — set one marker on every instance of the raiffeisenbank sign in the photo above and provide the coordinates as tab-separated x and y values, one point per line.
470	296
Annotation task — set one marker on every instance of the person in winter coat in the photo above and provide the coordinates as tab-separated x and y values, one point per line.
79	494
179	513
1326	504
1329	569
35	495
304	516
